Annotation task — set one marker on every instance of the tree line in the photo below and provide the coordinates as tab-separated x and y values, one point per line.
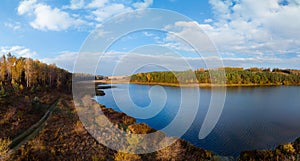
236	76
28	74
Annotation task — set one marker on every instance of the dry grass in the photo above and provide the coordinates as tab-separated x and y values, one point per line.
10	112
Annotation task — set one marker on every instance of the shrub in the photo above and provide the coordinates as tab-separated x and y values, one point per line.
21	87
32	90
16	86
100	158
38	88
172	152
140	128
36	99
127	157
27	98
4	143
288	148
127	120
2	92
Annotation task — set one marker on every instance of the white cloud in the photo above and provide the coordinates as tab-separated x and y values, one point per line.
110	60
26	6
109	10
13	25
208	20
75	4
48	18
221	8
18	51
68	60
128	62
243	28
266	16
249	28
65	60
97	4
148	34
143	5
183	34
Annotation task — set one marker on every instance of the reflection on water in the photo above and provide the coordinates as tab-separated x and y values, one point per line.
252	118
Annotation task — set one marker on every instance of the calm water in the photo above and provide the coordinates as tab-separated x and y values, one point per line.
252	118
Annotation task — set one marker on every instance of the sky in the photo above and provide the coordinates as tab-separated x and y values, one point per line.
246	33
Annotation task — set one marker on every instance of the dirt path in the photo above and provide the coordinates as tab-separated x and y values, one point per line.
30	132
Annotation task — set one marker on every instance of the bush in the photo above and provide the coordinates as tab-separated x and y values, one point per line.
38	88
140	128
288	148
127	120
21	87
32	90
4	143
2	92
16	87
27	98
95	158
127	157
36	99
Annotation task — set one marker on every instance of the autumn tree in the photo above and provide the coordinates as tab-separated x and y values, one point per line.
17	70
3	68
28	71
11	60
20	72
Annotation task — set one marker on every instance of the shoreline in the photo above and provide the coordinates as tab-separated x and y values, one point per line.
110	111
143	128
278	150
201	85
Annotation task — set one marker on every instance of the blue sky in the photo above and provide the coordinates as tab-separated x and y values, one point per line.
245	32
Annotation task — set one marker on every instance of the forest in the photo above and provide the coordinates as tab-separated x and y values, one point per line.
234	76
25	74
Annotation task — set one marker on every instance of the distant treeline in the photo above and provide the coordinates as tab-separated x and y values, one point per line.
236	76
28	74
84	77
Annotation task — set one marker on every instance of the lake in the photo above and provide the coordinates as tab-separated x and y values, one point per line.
252	117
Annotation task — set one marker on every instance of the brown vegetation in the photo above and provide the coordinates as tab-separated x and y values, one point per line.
286	152
65	138
18	113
